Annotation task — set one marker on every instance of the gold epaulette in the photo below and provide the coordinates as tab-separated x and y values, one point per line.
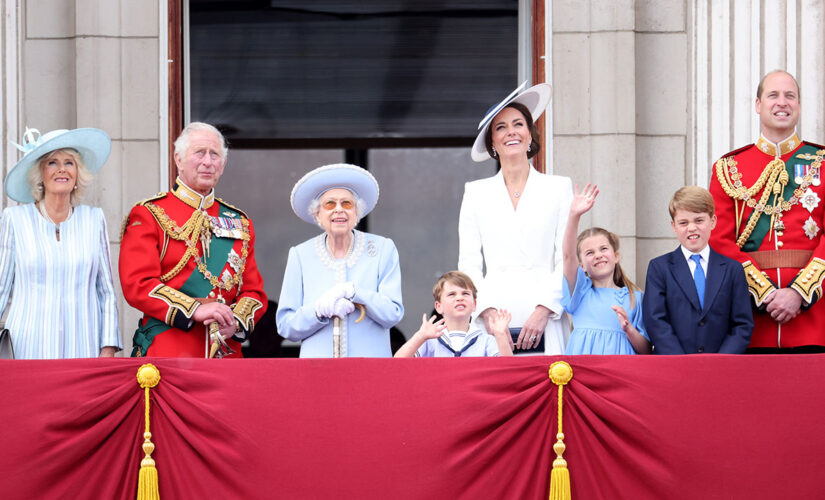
141	202
758	283
233	207
808	281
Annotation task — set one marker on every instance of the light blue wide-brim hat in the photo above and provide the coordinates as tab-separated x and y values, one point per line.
536	99
339	175
93	145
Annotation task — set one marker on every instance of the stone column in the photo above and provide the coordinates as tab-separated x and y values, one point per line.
91	63
595	109
661	124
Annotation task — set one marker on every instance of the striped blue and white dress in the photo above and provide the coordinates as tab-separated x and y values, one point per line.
63	303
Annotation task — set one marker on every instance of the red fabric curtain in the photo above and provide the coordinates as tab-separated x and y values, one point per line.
639	427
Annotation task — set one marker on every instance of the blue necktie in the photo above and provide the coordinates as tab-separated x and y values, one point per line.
699	279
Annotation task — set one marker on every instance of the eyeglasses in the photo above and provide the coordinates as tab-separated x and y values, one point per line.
331	204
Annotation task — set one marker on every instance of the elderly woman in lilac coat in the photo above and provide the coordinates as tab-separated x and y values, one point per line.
342	289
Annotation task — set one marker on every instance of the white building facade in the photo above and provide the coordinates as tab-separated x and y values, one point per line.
647	94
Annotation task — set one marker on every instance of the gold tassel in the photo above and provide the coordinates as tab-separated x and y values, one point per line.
148	376
560	374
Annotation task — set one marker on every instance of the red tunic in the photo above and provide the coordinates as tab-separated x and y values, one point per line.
805	277
149	251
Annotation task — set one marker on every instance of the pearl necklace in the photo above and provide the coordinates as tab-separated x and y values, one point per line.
349	250
42	207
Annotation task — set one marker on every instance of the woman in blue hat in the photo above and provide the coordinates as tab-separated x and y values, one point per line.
54	252
513	224
342	289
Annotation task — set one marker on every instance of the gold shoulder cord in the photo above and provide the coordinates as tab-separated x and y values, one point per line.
191	230
723	165
190	233
774	178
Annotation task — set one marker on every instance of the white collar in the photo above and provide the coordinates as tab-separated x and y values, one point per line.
705	253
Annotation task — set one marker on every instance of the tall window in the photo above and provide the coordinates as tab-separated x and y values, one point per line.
366	71
395	86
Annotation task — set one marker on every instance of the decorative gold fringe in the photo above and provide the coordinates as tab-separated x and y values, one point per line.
148	376
560	374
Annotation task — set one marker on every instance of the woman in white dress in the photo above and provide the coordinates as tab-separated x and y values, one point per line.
54	253
513	224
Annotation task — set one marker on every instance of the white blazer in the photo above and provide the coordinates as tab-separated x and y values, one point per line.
522	248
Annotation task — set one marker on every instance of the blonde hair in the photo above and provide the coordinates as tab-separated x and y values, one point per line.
620	279
35	176
693	199
458	279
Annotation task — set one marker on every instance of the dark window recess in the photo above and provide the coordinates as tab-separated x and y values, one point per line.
359	74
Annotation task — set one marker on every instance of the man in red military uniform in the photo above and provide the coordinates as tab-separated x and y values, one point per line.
769	203
187	260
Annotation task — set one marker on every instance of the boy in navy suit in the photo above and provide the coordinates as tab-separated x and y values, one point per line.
696	300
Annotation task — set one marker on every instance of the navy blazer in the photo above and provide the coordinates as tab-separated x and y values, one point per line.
675	322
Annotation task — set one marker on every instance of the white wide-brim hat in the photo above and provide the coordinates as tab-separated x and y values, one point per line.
339	175
536	99
93	145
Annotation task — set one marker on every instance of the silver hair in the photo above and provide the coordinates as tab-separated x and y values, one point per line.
35	176
315	207
182	142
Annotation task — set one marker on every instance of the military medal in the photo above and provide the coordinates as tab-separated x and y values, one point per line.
816	181
810	200
798	173
227	227
779	225
234	261
810	227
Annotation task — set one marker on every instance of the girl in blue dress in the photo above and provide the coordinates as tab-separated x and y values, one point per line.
596	292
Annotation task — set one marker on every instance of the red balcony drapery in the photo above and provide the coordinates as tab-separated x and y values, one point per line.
709	426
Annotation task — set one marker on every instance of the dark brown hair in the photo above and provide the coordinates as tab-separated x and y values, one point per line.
620	279
534	132
457	278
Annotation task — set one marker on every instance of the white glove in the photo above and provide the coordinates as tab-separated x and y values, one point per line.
342	308
344	290
325	306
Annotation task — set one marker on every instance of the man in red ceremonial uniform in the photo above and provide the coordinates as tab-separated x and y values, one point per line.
769	203
187	260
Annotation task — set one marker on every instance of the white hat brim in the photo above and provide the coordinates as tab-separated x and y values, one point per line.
94	146
339	175
536	99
